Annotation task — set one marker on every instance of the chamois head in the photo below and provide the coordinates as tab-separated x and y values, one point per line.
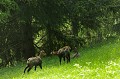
42	53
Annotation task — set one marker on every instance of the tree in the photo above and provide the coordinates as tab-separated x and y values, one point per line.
8	10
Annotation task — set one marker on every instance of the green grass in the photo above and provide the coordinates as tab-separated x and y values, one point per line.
99	62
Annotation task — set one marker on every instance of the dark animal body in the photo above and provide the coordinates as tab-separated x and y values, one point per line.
63	53
34	61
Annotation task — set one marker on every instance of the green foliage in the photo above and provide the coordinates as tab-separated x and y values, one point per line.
116	28
101	61
25	19
8	8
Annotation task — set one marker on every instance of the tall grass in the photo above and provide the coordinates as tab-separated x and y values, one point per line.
102	61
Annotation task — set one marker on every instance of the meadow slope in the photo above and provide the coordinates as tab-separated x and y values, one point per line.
102	61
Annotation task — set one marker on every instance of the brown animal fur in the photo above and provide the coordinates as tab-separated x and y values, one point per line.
66	48
63	53
35	61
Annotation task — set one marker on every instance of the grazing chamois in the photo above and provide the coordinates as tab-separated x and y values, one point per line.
35	61
63	53
76	54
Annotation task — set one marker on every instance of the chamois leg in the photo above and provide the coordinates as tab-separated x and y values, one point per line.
64	59
26	68
29	69
69	57
60	60
35	68
40	65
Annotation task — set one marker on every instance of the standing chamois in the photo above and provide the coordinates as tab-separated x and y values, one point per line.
63	53
35	61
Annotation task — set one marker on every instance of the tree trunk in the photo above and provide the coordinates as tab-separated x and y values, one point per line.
28	45
75	29
49	39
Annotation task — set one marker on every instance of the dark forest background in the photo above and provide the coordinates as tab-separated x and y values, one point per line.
28	26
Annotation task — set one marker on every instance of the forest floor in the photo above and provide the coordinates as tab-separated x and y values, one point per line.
101	61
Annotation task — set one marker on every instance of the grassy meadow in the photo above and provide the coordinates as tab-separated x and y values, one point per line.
102	61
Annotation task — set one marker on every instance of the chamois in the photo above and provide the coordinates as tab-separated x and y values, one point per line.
76	54
63	53
35	61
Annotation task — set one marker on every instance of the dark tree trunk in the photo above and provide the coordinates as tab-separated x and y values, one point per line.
28	45
75	29
49	39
